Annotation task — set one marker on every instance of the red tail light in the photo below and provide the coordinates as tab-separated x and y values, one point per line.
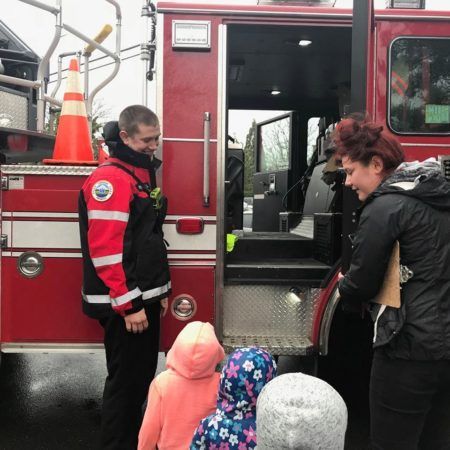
190	225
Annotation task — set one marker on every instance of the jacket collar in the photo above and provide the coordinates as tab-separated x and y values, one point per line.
121	151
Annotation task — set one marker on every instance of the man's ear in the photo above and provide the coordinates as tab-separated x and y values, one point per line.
124	136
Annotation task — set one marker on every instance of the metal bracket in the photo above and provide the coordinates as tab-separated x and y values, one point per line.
445	163
5	183
4	241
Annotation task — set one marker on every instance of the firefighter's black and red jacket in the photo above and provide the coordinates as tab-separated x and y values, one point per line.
124	254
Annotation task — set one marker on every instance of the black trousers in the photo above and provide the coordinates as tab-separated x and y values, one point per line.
409	404
131	360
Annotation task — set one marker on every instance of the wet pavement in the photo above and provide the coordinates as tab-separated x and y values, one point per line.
52	401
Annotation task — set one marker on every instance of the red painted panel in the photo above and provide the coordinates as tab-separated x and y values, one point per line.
183	178
40	200
197	282
190	85
46	308
387	31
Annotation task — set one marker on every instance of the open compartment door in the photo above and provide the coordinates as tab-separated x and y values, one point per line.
360	98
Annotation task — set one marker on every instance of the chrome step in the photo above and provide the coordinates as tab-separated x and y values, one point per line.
276	345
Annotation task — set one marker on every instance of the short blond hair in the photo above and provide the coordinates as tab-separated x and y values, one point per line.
132	116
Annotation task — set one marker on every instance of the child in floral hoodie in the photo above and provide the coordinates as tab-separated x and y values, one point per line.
233	426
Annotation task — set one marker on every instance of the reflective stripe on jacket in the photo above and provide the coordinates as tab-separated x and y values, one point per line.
124	255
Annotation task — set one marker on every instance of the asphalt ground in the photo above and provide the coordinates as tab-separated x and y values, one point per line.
52	402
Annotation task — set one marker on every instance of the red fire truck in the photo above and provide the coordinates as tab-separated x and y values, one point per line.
277	286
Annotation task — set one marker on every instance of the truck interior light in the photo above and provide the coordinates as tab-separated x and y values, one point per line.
304	42
407	4
293	296
275	92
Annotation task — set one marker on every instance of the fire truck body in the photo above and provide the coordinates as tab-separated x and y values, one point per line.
41	269
277	287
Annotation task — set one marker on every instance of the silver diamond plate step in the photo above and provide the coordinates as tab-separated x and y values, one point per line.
276	345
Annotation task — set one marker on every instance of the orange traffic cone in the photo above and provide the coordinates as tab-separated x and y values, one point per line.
73	142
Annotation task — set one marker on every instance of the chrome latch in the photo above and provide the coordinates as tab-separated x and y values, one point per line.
4	241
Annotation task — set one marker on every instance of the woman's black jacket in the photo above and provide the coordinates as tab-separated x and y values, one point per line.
414	208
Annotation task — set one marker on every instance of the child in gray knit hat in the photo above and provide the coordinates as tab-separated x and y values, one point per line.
299	412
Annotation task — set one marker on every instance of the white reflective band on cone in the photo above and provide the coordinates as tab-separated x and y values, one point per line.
73	84
73	108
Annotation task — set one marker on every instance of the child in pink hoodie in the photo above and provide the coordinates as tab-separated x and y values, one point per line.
185	393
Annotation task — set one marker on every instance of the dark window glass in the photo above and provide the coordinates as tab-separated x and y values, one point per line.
419	94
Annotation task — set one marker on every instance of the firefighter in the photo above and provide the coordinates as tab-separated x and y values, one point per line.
126	275
407	203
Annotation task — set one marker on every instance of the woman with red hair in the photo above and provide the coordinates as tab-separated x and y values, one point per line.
408	203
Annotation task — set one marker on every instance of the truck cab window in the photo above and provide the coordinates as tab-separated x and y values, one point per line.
313	133
274	144
419	90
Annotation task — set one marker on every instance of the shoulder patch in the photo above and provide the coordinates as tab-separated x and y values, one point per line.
102	190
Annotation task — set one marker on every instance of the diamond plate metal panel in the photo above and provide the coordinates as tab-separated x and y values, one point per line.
14	109
268	311
275	345
46	170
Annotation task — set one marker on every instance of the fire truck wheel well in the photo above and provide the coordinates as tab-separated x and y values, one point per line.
347	363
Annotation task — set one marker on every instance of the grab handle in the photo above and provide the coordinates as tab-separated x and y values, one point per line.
206	143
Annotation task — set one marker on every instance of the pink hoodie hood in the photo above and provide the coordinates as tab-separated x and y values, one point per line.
195	352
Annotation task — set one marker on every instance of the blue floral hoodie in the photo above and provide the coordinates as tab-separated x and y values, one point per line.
233	426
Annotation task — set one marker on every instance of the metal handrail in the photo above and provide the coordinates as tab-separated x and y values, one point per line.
115	56
59	79
41	94
206	145
40	85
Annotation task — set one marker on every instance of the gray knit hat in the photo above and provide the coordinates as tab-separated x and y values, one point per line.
297	411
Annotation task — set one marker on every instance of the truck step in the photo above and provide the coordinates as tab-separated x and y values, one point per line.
258	245
276	345
307	271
